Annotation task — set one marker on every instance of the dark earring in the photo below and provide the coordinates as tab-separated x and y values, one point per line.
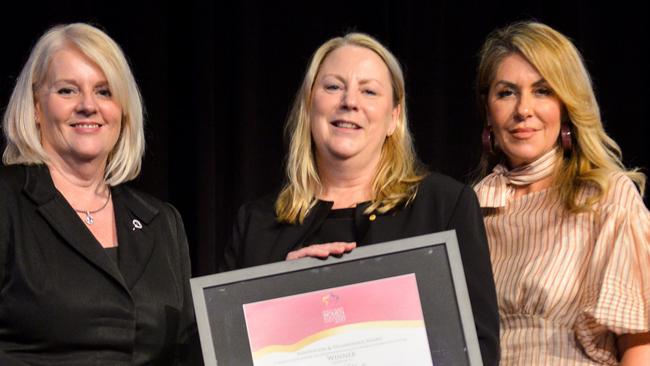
565	138
486	139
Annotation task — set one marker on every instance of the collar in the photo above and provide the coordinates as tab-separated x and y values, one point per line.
129	206
40	188
38	184
498	188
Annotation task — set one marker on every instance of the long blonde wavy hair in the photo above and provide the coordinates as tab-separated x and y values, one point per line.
399	171
595	155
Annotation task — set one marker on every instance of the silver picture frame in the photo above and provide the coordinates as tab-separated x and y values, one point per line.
434	258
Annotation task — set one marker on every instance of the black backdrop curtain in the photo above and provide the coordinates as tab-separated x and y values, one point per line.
218	80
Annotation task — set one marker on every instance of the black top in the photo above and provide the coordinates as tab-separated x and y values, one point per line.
112	253
338	226
441	204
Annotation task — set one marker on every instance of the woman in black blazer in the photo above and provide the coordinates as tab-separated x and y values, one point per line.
92	272
353	179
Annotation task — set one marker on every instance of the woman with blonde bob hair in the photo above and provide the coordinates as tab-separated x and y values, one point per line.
104	267
353	178
568	231
23	136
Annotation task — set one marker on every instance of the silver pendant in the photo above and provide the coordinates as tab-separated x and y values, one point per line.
89	219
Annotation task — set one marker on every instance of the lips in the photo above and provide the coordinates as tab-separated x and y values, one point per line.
345	124
523	133
85	125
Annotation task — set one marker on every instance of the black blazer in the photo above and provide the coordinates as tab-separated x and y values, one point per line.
64	301
441	204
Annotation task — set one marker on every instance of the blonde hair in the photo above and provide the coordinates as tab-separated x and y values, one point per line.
595	155
19	123
398	172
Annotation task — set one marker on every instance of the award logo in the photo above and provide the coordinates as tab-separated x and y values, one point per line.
333	312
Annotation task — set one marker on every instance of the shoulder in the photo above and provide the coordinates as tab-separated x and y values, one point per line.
127	192
12	177
146	206
12	182
262	209
442	188
441	181
621	192
442	198
620	185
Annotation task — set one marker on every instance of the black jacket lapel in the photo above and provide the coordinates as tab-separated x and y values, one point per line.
133	216
63	219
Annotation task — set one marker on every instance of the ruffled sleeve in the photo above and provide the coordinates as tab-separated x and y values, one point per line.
617	283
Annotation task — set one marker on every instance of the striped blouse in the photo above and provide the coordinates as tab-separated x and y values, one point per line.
568	283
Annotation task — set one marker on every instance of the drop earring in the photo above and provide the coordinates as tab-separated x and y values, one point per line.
487	140
565	138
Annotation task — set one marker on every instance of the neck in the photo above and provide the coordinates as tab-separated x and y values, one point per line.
535	176
346	183
81	184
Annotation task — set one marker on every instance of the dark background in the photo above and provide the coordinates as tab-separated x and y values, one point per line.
218	80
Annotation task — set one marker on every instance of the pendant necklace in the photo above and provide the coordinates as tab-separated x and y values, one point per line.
89	214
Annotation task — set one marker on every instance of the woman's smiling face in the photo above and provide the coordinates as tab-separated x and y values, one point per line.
524	112
352	109
77	115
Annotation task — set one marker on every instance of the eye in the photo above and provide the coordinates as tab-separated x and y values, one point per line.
332	87
67	91
544	91
104	92
370	92
504	93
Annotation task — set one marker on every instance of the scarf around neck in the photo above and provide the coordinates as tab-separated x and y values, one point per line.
497	188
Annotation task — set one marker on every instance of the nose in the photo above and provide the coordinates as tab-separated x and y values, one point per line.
524	107
349	100
87	104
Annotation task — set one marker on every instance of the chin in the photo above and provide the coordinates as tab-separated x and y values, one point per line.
88	156
341	155
341	152
522	159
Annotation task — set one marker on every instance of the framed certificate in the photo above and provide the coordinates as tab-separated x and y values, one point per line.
400	302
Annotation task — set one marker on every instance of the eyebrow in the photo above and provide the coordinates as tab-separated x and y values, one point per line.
513	85
72	81
69	81
362	81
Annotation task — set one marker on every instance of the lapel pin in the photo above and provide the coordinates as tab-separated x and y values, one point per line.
136	224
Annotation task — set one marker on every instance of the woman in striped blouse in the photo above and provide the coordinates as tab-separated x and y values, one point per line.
568	232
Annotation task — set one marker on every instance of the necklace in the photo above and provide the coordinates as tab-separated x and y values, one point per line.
89	214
